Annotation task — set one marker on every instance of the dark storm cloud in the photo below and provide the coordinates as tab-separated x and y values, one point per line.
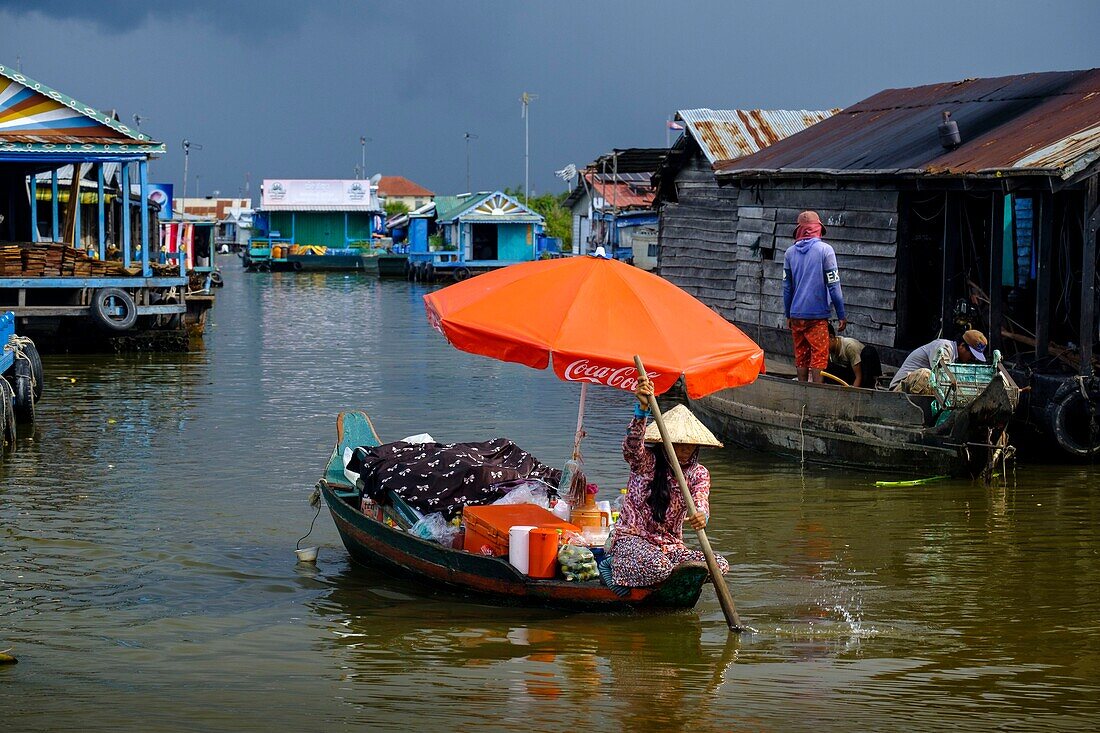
126	15
279	88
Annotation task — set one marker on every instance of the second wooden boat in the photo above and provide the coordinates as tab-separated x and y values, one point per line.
863	428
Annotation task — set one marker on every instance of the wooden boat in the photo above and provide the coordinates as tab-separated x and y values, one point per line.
372	542
864	428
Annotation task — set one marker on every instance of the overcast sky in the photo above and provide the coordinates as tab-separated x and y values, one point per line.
285	89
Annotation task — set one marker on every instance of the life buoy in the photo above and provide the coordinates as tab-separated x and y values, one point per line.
113	309
1073	418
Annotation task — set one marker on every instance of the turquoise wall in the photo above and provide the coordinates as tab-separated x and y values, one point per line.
512	242
323	228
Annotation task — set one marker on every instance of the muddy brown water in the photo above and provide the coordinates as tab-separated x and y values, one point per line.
148	582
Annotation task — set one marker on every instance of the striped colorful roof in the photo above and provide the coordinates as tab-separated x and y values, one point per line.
35	118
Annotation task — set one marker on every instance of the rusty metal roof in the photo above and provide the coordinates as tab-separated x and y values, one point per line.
727	134
1042	123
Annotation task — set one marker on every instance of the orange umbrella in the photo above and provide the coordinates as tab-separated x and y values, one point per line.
589	316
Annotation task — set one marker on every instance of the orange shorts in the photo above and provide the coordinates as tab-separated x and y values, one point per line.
811	343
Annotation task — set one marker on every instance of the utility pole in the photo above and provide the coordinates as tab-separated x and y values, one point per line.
138	119
469	136
187	145
363	140
526	100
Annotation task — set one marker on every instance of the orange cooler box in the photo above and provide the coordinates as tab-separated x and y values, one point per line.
489	525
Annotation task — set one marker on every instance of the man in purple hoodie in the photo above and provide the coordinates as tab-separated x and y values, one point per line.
811	289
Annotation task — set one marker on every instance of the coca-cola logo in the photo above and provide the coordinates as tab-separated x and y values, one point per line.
625	377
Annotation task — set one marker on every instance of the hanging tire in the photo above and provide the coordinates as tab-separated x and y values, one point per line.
23	385
31	353
216	279
169	321
429	273
263	267
296	266
7	414
460	274
114	309
1073	419
408	270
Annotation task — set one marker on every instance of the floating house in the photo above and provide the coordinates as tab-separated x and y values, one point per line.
950	206
401	190
698	218
472	232
612	206
78	241
314	224
233	217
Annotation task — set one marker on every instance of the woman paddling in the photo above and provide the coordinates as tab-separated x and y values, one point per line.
648	541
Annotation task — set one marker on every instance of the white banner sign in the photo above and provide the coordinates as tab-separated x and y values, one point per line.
282	193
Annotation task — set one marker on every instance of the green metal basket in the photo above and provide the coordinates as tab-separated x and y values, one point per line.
957	385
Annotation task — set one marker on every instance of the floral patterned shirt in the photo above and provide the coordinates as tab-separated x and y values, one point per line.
636	518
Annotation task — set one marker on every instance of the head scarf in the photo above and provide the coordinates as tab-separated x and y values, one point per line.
809	226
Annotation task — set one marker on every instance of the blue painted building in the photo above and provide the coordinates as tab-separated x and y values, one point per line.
117	271
480	231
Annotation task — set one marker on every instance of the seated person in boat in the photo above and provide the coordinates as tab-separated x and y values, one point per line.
850	360
915	373
648	540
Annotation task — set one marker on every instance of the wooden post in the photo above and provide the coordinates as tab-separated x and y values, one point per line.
1044	243
996	265
719	580
72	208
1088	277
952	242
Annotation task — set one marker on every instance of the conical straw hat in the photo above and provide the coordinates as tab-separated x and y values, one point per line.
682	427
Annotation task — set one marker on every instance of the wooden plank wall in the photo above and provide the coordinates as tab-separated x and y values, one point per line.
862	227
698	237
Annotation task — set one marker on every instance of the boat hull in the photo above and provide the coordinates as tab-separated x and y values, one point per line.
373	543
866	429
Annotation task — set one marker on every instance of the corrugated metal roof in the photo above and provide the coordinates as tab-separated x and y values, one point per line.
1041	123
622	194
447	207
727	134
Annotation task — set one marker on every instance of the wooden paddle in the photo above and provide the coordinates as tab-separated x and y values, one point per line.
719	580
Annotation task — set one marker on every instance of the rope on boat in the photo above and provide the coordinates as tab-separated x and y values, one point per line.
17	345
314	501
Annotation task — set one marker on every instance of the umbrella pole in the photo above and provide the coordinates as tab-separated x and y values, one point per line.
579	435
719	580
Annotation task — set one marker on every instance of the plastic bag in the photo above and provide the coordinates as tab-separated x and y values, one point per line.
435	528
528	492
577	563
